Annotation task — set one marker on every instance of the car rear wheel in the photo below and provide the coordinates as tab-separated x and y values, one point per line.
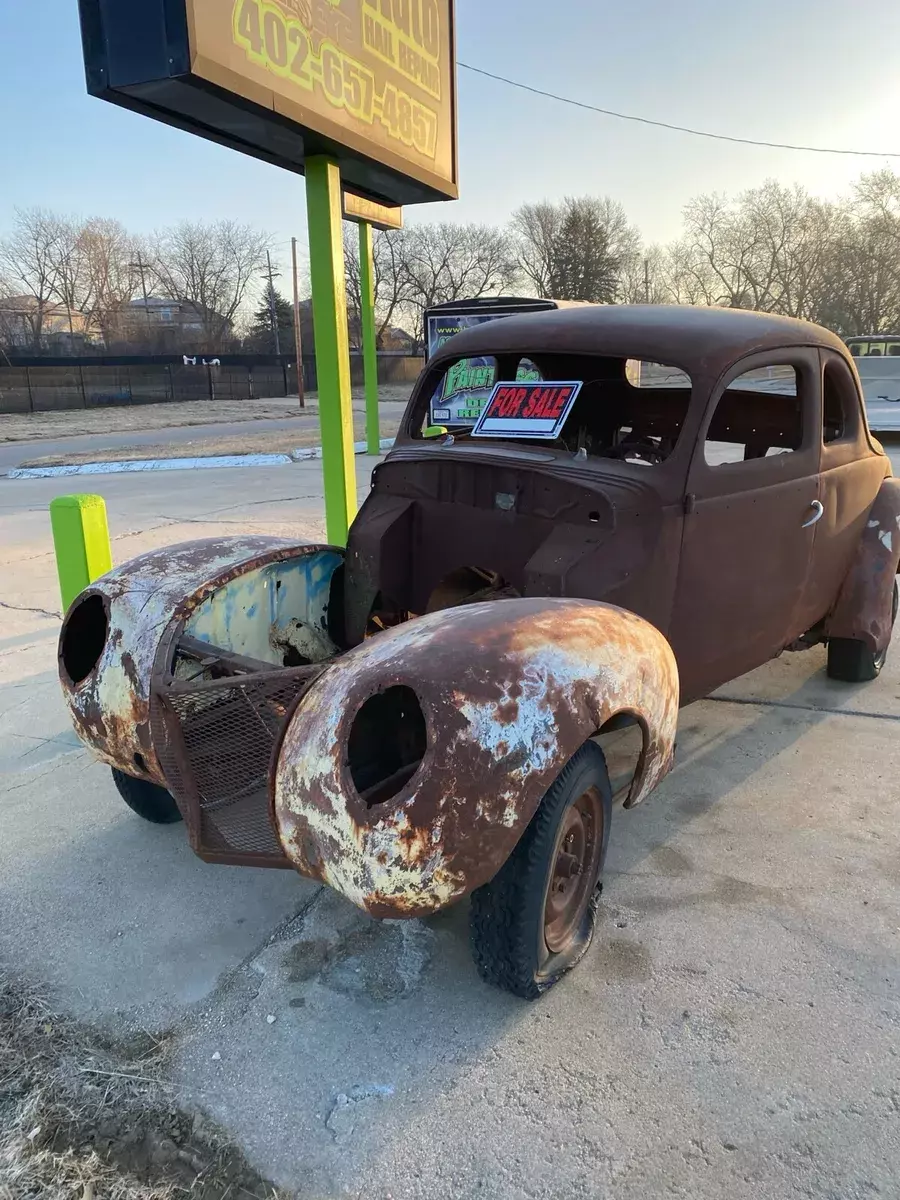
535	920
852	661
147	799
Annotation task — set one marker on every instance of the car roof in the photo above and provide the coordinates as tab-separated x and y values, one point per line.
699	340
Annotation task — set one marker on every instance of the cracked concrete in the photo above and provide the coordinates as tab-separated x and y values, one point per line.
733	1032
56	616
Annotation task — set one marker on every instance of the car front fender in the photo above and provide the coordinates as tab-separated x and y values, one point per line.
243	594
507	692
863	610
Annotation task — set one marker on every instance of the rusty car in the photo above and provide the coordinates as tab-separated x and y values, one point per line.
643	504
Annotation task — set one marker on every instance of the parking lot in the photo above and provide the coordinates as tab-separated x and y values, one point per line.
733	1032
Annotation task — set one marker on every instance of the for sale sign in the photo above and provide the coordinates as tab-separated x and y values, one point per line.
527	410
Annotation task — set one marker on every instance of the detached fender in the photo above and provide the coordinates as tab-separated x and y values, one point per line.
507	691
863	608
243	594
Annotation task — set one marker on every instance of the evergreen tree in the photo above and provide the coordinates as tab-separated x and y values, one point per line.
262	334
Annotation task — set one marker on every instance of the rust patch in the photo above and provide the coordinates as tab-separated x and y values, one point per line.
570	664
144	600
863	609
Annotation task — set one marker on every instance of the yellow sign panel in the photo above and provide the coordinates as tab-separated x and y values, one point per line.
380	216
375	75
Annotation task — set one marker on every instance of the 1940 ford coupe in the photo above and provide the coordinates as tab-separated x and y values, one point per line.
589	518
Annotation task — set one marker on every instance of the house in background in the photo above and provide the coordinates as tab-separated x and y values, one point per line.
26	325
392	340
170	326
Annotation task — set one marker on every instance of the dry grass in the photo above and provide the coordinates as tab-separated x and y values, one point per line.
260	443
85	1120
19	427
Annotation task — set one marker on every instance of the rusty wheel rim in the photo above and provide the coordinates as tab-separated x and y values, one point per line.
573	876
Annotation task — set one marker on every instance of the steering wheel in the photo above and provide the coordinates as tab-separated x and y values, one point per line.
643	448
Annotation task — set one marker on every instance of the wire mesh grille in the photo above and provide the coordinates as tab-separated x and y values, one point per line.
218	745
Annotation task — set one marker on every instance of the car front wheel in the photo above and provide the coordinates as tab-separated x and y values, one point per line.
852	661
535	920
147	799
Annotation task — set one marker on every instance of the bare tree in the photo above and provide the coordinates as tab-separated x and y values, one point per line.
392	283
642	277
211	268
685	275
579	249
867	277
778	249
446	262
537	228
29	262
108	255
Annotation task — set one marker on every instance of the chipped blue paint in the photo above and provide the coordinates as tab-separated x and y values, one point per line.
267	612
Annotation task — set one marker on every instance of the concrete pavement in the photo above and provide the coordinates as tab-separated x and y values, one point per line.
734	1031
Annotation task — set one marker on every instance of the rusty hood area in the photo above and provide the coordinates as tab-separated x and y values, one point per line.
411	767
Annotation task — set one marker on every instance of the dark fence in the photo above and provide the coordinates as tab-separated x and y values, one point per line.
48	385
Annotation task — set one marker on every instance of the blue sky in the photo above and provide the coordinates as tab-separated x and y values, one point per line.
787	70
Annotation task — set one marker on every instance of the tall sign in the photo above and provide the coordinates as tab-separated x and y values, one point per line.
369	83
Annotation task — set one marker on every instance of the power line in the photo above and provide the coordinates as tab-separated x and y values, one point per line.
719	137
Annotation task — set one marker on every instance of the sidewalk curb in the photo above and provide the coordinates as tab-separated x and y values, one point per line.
218	462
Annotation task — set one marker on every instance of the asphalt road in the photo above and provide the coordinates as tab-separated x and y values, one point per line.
734	1032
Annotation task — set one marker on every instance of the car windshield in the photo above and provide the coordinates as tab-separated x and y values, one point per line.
626	409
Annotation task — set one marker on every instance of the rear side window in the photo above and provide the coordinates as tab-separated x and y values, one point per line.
759	415
841	403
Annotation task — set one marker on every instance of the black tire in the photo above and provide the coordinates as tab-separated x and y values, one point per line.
852	661
147	799
510	916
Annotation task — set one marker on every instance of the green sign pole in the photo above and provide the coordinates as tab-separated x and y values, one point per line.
329	296
369	340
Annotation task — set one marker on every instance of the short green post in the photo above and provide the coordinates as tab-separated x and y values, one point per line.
81	538
369	339
329	296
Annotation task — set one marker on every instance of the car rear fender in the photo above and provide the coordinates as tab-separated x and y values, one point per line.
481	707
863	610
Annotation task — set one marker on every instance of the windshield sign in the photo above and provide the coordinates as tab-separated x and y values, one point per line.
527	410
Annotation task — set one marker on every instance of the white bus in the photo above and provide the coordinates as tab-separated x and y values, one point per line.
877	358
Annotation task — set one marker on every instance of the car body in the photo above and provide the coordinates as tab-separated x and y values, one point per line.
412	720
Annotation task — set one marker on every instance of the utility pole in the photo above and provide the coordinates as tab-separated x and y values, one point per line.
298	337
272	311
646	280
141	266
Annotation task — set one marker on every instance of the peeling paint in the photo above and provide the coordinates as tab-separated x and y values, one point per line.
147	597
268	610
510	690
863	611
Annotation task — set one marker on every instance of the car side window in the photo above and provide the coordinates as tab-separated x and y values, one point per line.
841	402
759	415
